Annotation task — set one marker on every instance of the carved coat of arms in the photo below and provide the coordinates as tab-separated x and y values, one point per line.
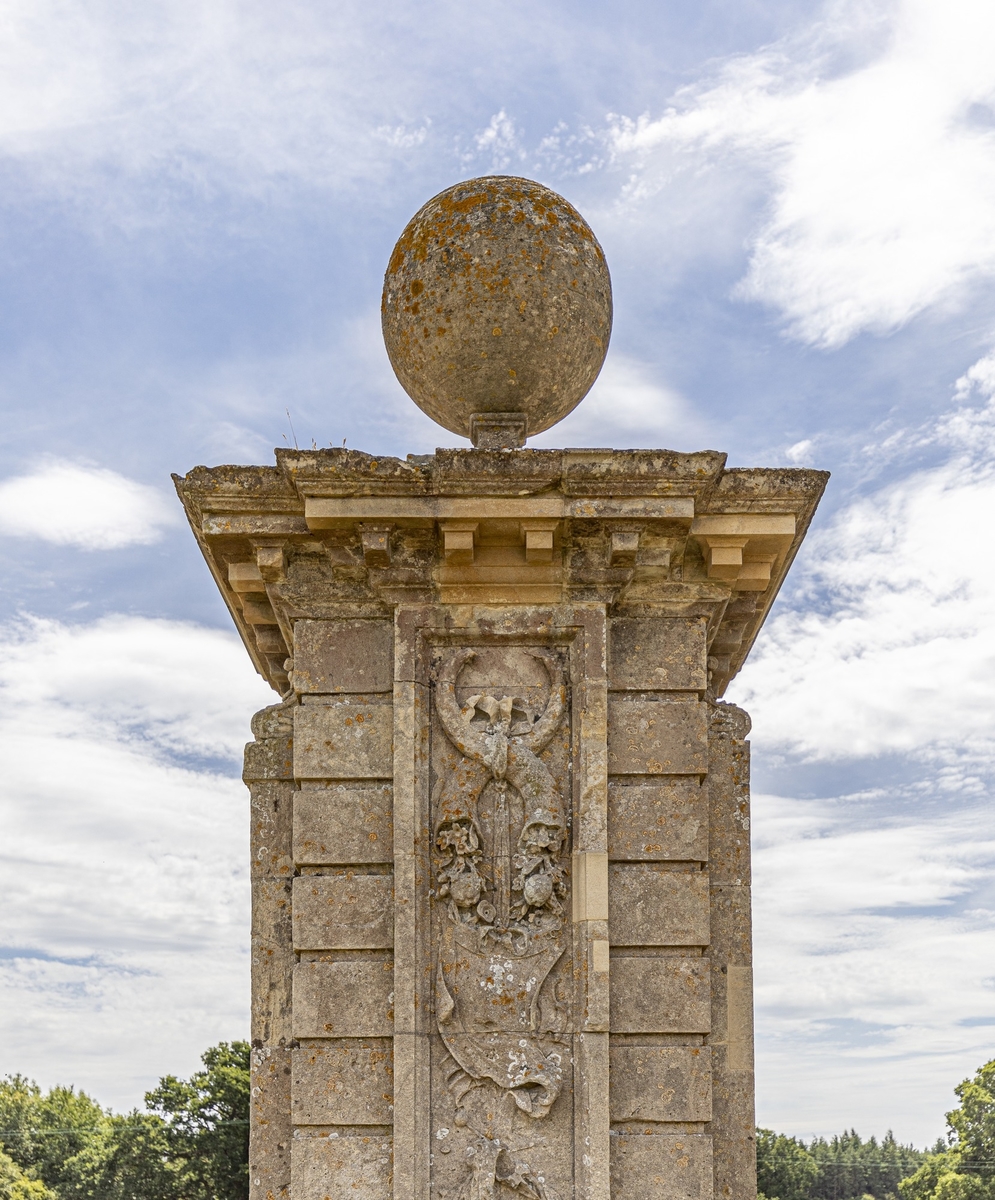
504	892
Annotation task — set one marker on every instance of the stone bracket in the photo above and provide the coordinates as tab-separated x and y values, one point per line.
376	544
538	538
741	549
458	540
248	583
624	547
271	560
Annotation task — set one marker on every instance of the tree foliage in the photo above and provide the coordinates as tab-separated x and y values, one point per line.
207	1123
967	1170
785	1169
17	1184
41	1133
973	1124
192	1144
844	1167
940	1179
849	1166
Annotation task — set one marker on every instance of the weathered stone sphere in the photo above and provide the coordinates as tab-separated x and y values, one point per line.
497	300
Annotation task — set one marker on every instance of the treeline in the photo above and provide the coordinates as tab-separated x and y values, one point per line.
843	1168
191	1143
848	1168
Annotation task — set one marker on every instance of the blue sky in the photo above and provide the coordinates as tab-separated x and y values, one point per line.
797	203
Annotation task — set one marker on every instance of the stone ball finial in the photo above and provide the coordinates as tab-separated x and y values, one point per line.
497	309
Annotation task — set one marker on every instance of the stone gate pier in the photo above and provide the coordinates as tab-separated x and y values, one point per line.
500	815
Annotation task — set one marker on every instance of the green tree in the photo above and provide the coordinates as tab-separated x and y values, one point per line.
206	1122
939	1178
192	1145
19	1098
17	1184
785	1169
850	1167
129	1159
41	1133
973	1124
967	1170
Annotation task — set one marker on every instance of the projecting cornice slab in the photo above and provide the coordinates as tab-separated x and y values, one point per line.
632	529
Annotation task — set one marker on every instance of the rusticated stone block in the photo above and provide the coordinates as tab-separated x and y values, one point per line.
661	1083
343	740
346	1082
271	806
733	1121
658	654
661	1166
730	924
660	994
272	962
270	1131
657	737
326	1168
666	819
343	823
729	794
652	906
344	999
733	1131
731	1040
269	758
343	656
343	912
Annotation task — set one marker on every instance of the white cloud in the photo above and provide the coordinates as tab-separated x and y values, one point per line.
124	859
874	913
499	142
883	172
801	453
179	99
135	678
888	645
978	378
626	402
90	507
873	947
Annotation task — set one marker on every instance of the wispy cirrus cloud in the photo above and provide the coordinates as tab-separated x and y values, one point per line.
179	101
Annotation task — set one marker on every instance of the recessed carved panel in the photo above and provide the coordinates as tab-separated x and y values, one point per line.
503	942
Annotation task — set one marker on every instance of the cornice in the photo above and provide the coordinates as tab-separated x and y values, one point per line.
326	532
